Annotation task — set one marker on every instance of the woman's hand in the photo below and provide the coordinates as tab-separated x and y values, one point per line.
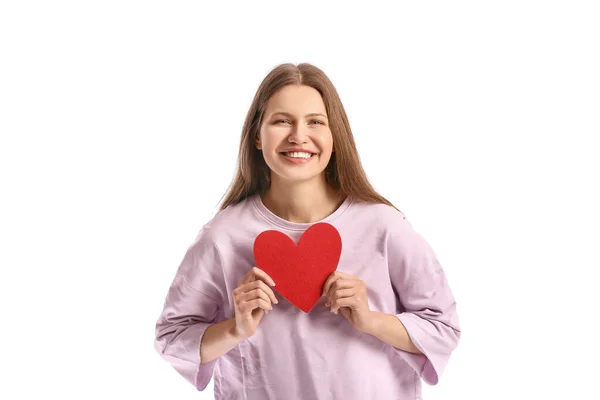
348	294
252	299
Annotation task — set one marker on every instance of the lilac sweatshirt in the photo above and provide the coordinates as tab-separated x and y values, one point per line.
316	355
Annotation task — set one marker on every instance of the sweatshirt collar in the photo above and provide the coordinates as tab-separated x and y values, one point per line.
295	226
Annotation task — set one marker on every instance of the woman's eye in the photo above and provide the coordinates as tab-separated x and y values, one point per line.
285	120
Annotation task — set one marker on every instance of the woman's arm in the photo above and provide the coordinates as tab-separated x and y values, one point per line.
217	340
426	306
388	328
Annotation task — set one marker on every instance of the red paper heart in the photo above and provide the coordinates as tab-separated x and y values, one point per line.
299	271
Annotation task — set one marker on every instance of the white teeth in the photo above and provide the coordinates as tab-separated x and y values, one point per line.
298	155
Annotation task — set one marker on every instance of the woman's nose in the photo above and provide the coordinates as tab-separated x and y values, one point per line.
298	134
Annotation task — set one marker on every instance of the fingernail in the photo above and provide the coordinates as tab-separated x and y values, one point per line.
276	301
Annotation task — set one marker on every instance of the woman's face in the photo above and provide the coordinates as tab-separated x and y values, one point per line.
295	118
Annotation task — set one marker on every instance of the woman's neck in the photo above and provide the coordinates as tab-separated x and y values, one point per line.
304	202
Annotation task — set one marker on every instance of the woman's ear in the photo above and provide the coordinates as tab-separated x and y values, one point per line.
258	144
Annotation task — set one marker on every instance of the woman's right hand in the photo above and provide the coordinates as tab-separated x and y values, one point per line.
252	298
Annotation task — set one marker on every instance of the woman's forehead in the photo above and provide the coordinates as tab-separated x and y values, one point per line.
300	101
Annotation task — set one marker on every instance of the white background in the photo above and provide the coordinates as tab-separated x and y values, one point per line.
120	125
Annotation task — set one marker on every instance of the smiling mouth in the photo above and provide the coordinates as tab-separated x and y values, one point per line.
298	155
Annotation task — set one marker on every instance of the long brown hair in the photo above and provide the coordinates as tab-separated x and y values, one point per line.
344	170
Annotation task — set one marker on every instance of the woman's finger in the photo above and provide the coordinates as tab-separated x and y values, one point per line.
249	277
248	306
349	302
341	283
340	294
254	274
334	277
258	284
254	294
263	275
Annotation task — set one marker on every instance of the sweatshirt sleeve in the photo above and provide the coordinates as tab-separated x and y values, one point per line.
192	304
426	308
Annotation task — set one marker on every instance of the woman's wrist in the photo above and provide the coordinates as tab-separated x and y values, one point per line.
375	320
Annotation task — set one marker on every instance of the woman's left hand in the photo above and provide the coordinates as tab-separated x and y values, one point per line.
348	294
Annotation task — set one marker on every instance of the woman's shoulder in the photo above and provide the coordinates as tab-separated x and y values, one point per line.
233	212
379	212
224	221
393	225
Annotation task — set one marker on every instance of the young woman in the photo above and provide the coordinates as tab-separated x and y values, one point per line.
387	317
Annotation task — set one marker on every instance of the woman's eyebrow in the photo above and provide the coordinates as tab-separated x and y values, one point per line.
290	115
